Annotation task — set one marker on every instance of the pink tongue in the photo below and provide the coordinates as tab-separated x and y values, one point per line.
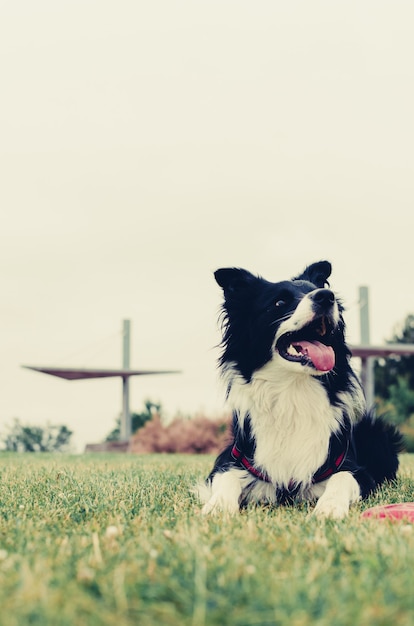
323	357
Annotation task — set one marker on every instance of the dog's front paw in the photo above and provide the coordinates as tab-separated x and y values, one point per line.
331	507
341	490
222	493
218	504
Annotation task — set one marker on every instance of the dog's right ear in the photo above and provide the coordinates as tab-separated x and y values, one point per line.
233	279
317	273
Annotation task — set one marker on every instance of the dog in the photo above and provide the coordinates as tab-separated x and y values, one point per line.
301	430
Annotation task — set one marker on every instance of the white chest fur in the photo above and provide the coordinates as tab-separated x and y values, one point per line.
291	418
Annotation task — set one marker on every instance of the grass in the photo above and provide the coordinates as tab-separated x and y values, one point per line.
106	540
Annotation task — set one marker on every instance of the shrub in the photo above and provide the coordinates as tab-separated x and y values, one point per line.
199	435
24	438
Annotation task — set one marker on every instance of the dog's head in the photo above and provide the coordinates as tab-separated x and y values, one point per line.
298	322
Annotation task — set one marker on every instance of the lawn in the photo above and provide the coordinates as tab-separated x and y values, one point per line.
118	540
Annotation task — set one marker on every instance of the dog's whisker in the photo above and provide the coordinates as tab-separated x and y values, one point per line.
281	319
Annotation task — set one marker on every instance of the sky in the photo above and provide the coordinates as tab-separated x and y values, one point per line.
145	144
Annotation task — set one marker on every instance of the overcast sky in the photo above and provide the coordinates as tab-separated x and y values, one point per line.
143	144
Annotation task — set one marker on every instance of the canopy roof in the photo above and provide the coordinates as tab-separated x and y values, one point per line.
388	349
76	373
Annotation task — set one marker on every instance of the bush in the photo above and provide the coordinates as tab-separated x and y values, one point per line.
25	438
199	435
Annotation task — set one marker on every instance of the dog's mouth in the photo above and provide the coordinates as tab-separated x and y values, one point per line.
310	346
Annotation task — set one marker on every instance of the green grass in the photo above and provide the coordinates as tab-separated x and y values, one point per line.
118	540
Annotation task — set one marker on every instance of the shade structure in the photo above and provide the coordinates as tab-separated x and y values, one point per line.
84	373
79	373
389	349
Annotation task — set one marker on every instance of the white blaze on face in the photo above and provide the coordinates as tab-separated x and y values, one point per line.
303	315
321	355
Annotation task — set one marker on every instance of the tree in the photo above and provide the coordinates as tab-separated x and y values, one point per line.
394	378
21	438
137	419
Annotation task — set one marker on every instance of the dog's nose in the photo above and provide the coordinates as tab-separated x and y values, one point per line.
324	297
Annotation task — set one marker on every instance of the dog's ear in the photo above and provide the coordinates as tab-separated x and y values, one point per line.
234	279
317	273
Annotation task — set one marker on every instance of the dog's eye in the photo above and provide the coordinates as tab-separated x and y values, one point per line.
283	298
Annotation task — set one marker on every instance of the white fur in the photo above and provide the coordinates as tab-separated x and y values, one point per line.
225	491
341	490
291	418
292	421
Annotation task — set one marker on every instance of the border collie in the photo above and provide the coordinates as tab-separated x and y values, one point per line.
301	429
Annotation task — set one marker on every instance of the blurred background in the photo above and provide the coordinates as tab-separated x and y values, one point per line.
145	144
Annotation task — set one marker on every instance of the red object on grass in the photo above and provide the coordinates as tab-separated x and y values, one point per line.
400	511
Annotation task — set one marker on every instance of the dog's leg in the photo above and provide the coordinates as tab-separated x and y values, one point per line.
341	490
225	491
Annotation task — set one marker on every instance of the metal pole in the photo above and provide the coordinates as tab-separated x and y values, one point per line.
367	364
126	415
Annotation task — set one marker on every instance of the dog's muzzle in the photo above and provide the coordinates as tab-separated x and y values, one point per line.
311	345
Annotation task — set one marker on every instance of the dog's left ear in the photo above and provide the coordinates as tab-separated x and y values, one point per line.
234	279
317	273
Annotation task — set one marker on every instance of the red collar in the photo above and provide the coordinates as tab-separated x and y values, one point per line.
325	471
239	456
